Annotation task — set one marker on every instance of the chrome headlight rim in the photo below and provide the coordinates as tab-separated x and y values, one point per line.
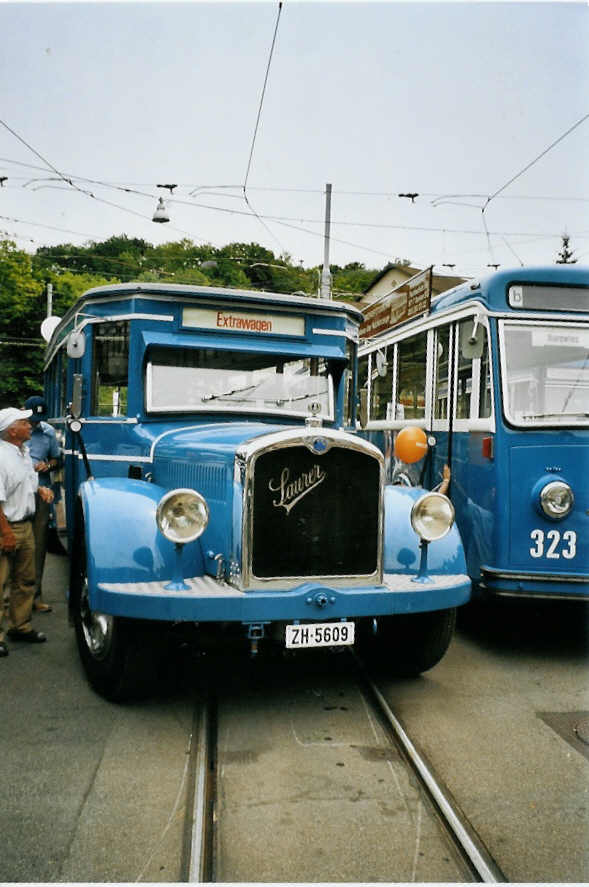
417	520
546	499
162	510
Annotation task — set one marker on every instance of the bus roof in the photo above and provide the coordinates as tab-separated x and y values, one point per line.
184	292
492	290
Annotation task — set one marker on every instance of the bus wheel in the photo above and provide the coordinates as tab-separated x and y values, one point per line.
411	643
114	651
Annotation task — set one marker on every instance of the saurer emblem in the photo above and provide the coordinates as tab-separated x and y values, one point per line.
292	491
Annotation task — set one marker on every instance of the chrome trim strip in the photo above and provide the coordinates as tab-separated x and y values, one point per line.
345	334
106	457
110	421
539	595
534	577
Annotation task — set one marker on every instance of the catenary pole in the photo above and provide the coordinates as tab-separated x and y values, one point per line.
326	273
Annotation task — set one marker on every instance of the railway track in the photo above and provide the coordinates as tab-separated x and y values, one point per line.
214	752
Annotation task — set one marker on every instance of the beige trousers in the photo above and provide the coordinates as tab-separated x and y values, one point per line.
17	574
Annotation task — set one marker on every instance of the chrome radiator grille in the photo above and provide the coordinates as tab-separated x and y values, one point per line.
315	515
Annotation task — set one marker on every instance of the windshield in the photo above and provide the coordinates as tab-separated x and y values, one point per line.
236	381
546	374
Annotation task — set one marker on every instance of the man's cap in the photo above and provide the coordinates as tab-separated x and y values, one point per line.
37	406
11	415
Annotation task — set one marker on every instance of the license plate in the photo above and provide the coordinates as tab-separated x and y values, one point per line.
320	634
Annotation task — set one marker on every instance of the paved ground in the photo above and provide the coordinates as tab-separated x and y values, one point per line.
497	718
310	788
90	791
95	792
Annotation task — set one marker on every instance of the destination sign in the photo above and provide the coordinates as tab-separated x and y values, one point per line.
231	321
406	301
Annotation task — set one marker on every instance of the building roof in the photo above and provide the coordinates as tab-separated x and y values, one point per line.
440	282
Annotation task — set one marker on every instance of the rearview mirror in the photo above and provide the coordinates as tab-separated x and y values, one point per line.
472	339
76	344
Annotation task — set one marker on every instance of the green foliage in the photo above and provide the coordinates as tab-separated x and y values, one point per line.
21	296
73	269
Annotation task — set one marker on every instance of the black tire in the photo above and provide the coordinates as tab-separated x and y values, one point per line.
118	660
409	644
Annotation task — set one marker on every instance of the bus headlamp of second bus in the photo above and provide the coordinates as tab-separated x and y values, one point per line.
432	516
182	515
556	499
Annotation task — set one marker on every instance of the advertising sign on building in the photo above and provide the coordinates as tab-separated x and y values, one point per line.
408	300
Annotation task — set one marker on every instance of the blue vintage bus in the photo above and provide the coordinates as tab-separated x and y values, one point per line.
496	371
214	480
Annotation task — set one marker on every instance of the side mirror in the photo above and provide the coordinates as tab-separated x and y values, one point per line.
472	340
76	344
363	411
76	407
381	363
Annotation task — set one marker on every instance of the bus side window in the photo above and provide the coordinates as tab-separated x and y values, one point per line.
348	416
473	398
110	359
362	383
381	384
441	392
411	379
464	371
485	402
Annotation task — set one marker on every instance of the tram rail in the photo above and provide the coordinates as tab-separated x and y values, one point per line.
484	868
201	864
201	814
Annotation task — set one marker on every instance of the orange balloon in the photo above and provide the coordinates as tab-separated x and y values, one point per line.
410	444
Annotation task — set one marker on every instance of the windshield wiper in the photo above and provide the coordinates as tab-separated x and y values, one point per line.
308	396
224	394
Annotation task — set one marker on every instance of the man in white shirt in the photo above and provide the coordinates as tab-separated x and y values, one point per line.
18	485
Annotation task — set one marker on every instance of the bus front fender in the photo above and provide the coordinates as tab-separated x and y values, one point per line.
117	518
402	553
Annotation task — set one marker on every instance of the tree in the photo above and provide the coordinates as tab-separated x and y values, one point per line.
565	256
21	346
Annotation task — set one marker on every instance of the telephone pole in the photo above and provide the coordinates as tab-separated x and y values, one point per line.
326	273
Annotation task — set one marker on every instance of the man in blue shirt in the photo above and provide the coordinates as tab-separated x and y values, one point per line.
46	457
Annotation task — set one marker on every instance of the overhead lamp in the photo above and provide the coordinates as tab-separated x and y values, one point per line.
161	213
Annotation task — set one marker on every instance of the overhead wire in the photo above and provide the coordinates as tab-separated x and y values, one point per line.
256	127
70	180
535	160
72	183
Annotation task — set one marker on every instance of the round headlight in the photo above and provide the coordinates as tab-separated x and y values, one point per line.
556	499
182	515
432	516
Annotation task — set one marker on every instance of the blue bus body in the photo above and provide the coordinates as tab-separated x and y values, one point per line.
518	381
177	402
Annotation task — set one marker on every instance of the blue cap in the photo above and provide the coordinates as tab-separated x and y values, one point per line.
38	406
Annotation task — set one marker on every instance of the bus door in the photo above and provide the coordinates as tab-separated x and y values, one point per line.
463	426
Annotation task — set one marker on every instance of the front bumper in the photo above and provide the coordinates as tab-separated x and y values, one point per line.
207	600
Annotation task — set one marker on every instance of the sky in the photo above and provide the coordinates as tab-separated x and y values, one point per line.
481	109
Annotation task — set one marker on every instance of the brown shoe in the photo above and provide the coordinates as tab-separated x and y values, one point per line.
42	607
